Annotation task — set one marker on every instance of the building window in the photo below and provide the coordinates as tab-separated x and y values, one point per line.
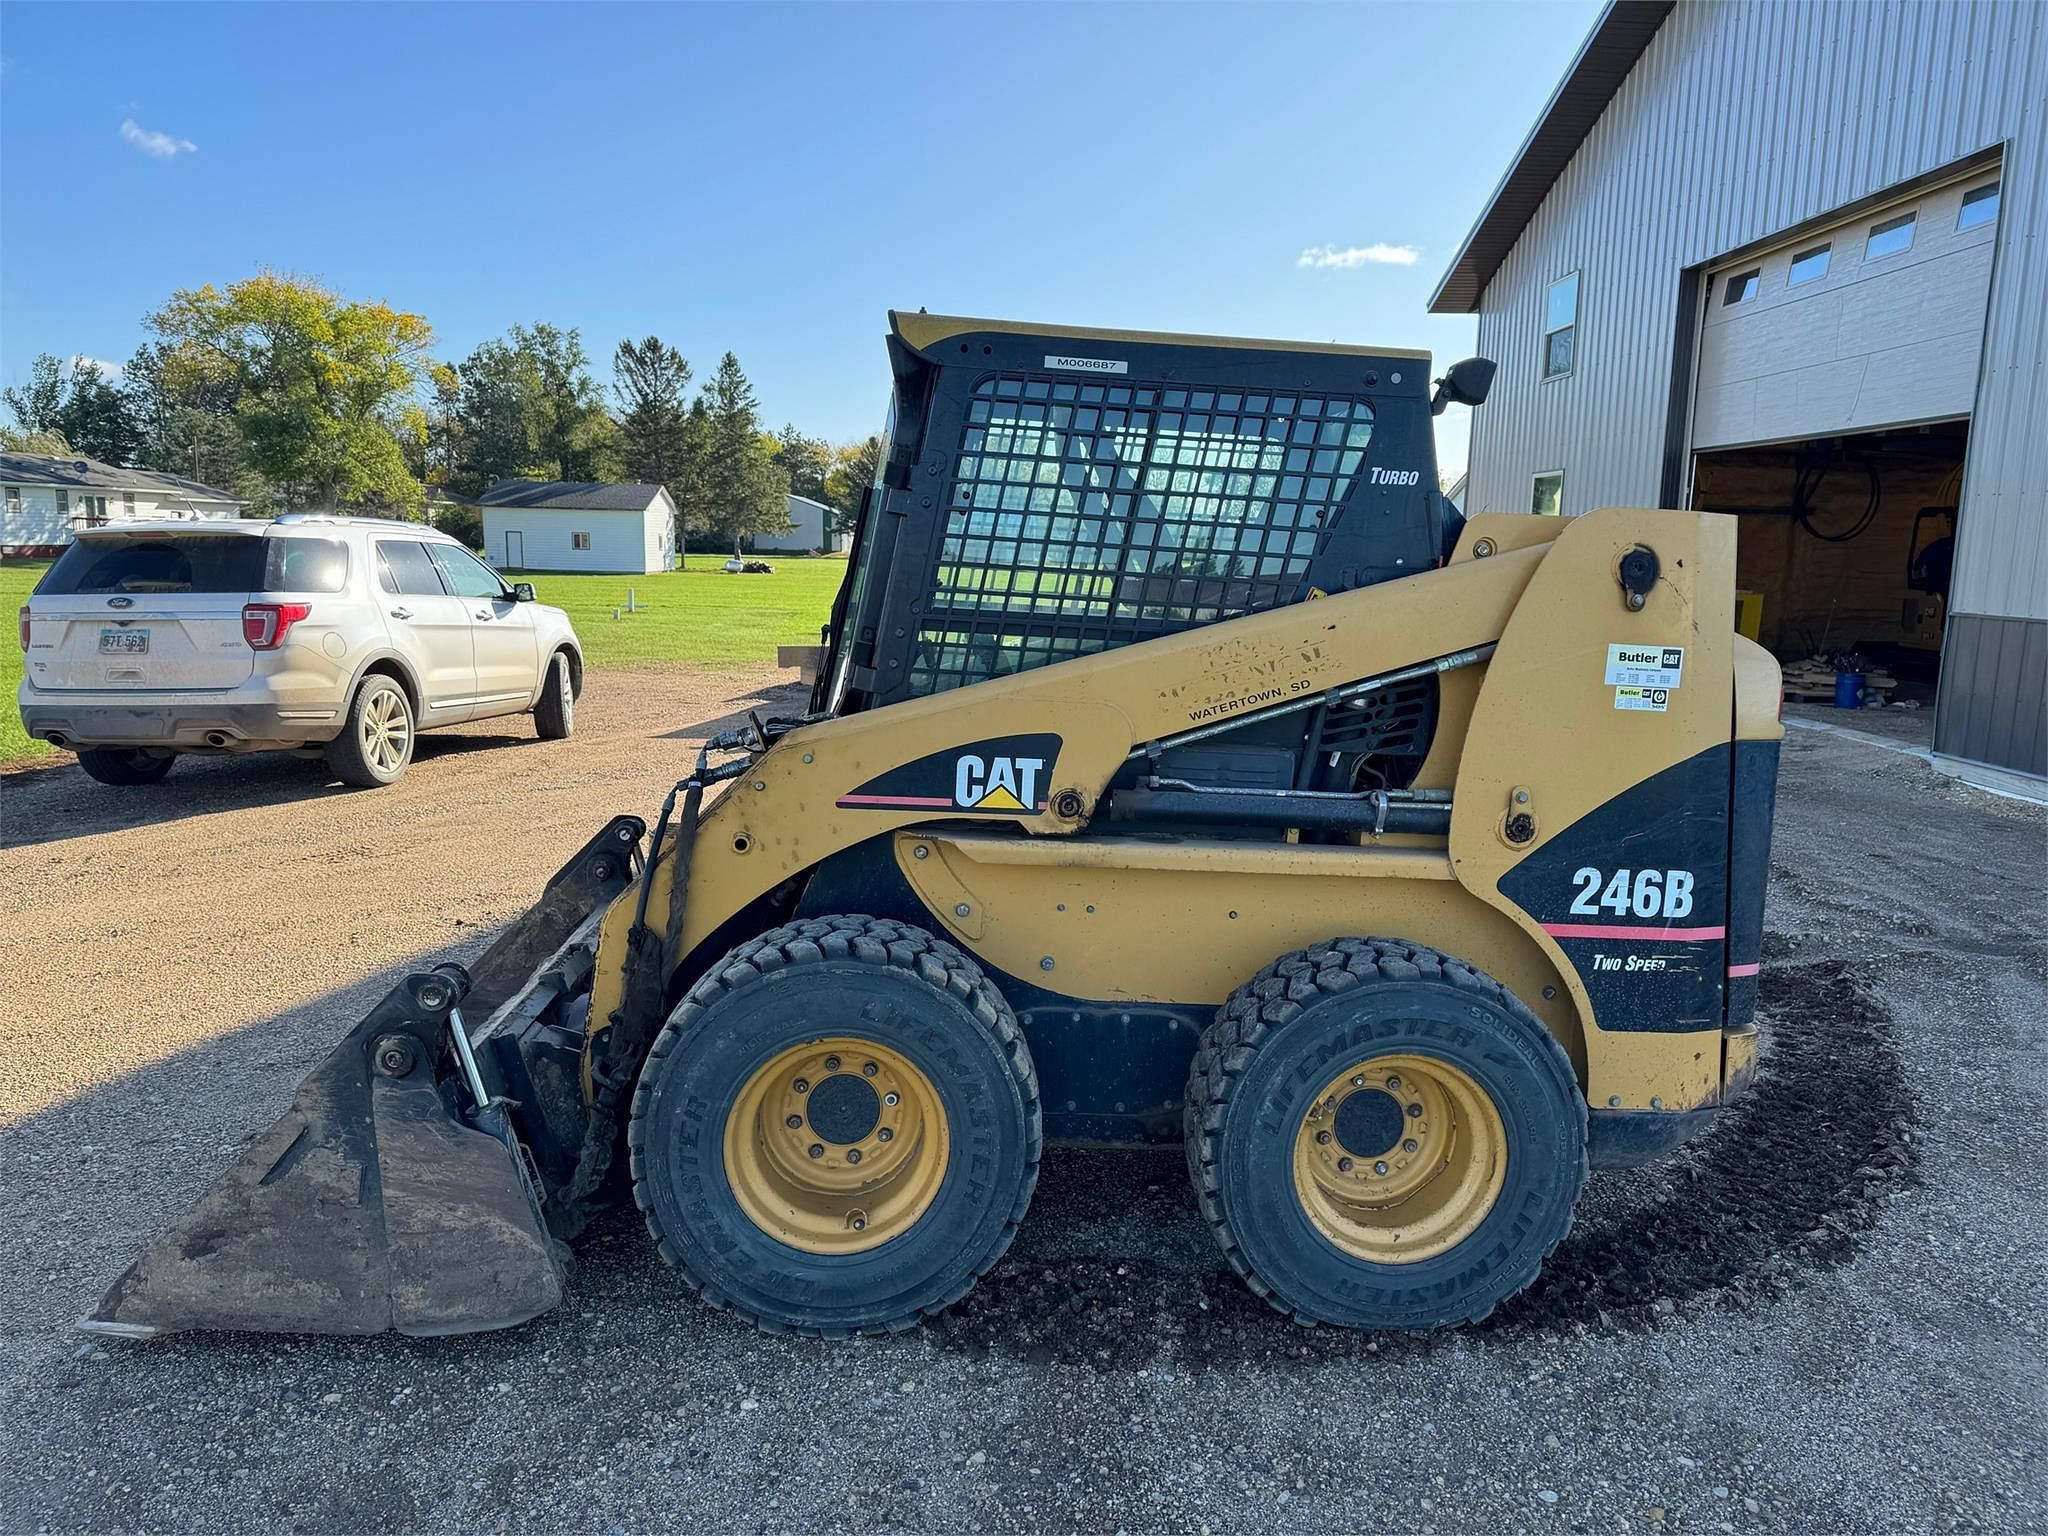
1742	287
1890	237
1808	266
1980	206
64	504
128	503
1560	326
95	510
14	501
1546	497
579	541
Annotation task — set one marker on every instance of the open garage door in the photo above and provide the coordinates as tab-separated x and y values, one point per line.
1845	548
1875	322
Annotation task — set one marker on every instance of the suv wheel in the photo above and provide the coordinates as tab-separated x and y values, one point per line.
376	739
125	766
554	716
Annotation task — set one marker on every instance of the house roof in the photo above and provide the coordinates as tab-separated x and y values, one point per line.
1611	49
76	472
809	502
570	496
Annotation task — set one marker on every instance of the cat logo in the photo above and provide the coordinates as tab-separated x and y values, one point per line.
999	776
997	783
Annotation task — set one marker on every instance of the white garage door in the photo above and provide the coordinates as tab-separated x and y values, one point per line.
1874	323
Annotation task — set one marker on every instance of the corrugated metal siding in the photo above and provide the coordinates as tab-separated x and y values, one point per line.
1739	122
1992	709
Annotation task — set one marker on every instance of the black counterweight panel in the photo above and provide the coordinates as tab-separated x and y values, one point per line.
1636	895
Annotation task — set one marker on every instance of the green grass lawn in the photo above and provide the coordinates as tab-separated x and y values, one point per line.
16	577
698	615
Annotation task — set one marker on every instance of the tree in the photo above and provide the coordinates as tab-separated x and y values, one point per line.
652	382
806	461
36	403
735	489
95	418
33	440
190	428
323	386
855	467
530	410
79	405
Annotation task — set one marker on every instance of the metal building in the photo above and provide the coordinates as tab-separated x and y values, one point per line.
1791	260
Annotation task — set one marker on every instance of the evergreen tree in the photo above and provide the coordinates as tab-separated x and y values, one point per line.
736	489
806	461
652	382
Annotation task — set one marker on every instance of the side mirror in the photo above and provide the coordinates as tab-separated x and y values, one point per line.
522	592
1463	383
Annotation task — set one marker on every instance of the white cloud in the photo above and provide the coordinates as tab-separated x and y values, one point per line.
1378	254
111	372
158	146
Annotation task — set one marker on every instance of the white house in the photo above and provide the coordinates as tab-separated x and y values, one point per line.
46	498
813	520
569	525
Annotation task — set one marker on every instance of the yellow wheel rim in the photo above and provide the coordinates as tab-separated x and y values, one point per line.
1400	1159
836	1146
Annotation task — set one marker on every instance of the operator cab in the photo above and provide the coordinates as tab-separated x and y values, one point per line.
1050	492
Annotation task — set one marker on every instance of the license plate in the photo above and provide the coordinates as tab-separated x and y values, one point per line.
124	642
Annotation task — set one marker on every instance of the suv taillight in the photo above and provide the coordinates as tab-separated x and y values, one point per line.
264	625
24	626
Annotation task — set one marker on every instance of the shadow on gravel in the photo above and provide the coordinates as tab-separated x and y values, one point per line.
52	803
1777	1194
784	699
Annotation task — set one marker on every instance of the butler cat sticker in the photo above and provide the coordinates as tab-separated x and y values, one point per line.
1002	776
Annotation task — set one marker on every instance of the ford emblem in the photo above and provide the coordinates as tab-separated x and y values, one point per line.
120	602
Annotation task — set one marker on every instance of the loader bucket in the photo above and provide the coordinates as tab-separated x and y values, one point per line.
386	1197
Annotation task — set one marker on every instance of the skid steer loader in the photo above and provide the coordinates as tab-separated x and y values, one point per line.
1183	768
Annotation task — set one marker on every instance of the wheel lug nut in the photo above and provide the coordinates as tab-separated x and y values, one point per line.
1414	1111
801	1085
1380	1169
1392	1081
1410	1144
1358	1082
853	1156
860	1223
1322	1138
794	1121
831	1063
1344	1165
869	1070
891	1100
817	1150
885	1134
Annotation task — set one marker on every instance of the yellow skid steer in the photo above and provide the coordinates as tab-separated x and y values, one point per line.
1183	768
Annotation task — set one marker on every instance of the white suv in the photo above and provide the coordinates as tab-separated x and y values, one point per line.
305	633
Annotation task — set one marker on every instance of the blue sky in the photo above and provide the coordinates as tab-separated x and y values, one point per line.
765	178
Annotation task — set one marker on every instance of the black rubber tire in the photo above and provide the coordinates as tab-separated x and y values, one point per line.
345	756
554	713
1309	1015
906	989
125	767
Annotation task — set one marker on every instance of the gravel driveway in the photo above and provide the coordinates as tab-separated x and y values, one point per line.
1827	1316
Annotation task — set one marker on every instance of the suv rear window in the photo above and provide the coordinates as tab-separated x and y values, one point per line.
157	563
203	563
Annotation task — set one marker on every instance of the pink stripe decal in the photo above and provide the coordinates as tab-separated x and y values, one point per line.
1746	970
1604	931
907	802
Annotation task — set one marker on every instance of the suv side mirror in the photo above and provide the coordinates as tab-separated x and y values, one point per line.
1463	383
522	592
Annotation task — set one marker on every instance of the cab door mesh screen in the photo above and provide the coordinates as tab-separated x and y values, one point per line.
1083	516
